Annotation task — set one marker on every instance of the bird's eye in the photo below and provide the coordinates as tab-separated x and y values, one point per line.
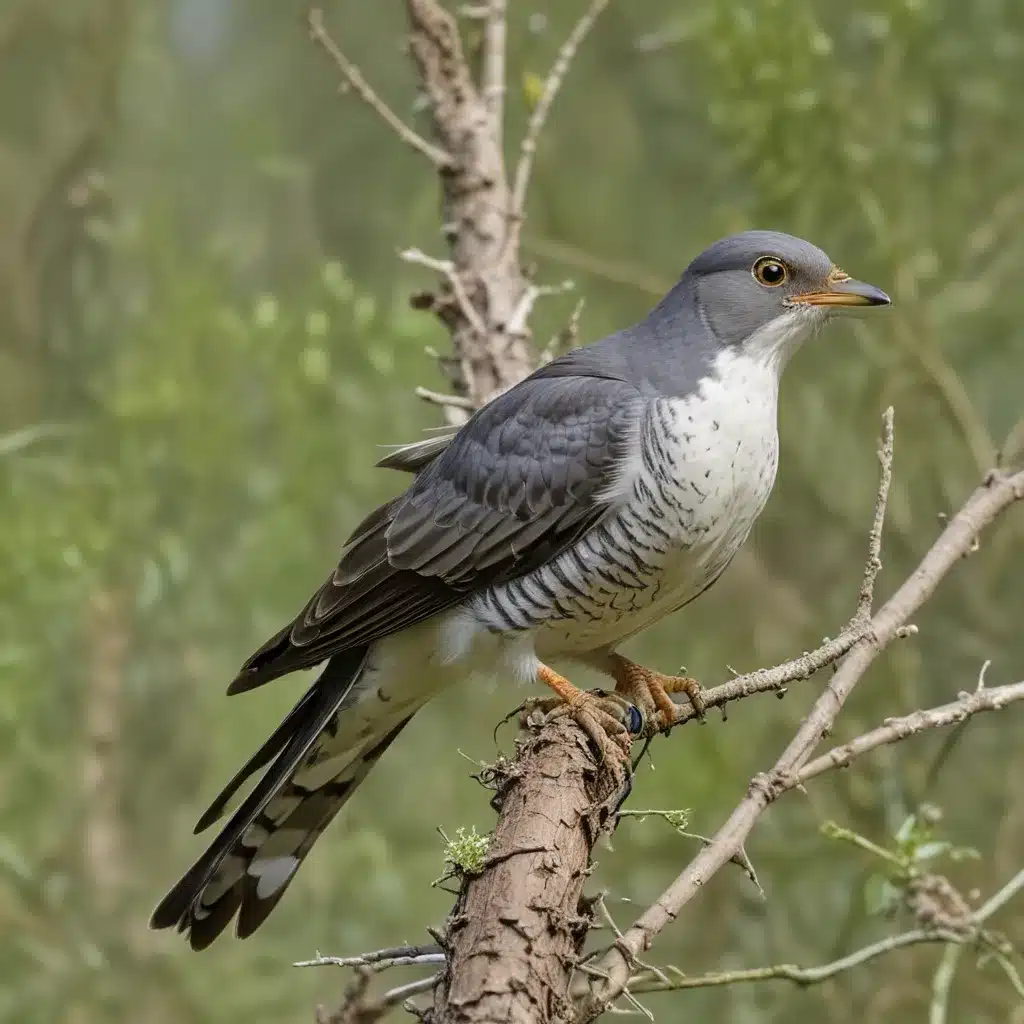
770	272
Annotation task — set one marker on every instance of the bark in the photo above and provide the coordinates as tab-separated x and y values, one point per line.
518	927
490	348
514	936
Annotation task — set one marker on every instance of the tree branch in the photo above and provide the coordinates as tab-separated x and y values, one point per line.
515	936
998	491
552	85
354	78
791	972
896	729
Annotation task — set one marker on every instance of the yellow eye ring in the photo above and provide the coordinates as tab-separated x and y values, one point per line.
770	271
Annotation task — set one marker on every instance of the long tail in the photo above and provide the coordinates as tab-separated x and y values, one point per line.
317	758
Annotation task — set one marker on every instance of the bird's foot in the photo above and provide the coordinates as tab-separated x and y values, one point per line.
610	720
649	690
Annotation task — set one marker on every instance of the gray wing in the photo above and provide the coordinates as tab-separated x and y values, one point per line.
519	482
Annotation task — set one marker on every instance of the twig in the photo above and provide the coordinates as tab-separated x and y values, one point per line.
874	561
775	679
794	973
942	983
563	339
400	993
955	940
516	326
540	113
382	959
447	269
447	401
354	77
896	729
357	1008
997	492
999	899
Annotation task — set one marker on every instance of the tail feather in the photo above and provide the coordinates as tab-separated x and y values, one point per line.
252	861
271	749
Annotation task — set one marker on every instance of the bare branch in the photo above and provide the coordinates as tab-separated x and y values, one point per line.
999	899
670	978
516	327
447	269
774	680
354	77
942	983
791	972
446	401
382	959
896	729
997	492
874	562
539	117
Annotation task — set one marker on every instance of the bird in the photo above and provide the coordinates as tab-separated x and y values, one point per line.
601	493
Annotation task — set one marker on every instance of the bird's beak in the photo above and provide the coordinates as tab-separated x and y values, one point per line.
842	290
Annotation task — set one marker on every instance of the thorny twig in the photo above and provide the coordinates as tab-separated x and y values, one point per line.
381	959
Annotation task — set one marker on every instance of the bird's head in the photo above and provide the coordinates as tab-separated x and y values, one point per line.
764	292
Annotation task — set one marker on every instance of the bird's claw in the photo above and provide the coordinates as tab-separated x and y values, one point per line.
610	720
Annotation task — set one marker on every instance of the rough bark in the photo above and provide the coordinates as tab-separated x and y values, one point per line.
490	350
518	927
514	936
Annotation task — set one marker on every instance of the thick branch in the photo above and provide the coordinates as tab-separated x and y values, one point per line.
518	927
482	283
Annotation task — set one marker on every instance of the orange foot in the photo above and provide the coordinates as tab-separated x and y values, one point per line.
610	720
649	691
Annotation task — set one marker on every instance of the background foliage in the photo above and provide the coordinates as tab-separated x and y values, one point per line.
203	335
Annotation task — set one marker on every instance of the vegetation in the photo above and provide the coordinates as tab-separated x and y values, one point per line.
205	334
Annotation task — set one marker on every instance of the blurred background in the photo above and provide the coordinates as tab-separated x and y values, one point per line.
204	333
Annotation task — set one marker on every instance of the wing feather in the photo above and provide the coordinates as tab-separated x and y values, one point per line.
520	481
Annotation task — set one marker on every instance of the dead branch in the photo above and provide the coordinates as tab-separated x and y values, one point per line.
476	202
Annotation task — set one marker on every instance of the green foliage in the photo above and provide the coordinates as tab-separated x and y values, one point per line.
466	854
205	338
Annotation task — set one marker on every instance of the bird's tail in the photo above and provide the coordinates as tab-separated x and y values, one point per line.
317	757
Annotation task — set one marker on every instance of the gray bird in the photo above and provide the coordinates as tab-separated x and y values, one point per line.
606	490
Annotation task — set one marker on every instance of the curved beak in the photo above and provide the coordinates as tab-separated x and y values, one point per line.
843	291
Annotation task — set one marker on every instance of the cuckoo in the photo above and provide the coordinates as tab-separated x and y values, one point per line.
606	490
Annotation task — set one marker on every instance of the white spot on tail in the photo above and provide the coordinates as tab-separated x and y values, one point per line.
272	873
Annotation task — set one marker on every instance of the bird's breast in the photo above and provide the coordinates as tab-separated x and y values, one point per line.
696	477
